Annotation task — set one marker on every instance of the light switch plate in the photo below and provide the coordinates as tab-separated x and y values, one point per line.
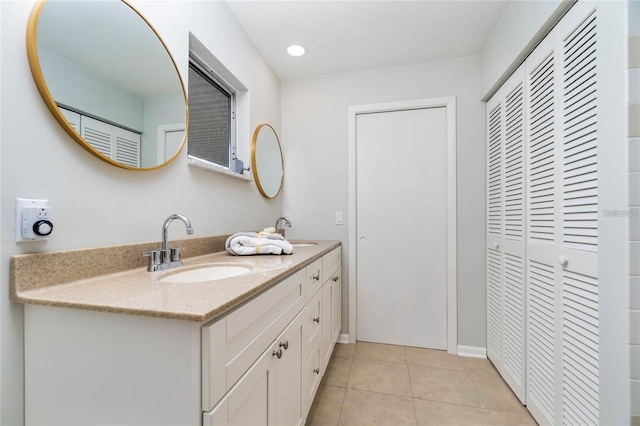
339	218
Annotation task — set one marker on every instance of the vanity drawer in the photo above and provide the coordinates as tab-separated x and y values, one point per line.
232	344
311	323
313	278
331	261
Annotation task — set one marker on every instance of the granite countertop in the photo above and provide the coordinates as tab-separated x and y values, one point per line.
139	292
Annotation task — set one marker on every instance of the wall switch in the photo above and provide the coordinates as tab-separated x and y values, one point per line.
33	220
339	218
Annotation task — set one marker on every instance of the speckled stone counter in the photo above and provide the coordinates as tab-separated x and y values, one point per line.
76	279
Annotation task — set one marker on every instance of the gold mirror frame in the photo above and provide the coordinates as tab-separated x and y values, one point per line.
36	71
265	187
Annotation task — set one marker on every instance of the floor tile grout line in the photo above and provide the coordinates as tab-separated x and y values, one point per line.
469	370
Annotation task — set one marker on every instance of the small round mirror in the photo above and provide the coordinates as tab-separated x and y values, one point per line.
266	161
109	80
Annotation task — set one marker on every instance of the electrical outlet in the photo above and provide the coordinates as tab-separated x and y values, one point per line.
33	220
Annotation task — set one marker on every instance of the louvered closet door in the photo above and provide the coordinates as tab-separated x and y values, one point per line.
505	252
112	141
543	181
127	147
562	231
494	230
578	253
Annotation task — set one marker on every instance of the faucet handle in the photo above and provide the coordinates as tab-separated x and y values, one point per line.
175	253
154	259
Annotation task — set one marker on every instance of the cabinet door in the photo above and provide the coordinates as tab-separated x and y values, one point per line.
247	403
311	376
270	393
286	390
332	314
313	320
336	305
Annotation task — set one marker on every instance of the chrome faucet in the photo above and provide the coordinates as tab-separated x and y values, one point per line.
167	258
282	219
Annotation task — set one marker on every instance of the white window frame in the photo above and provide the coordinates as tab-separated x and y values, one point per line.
241	110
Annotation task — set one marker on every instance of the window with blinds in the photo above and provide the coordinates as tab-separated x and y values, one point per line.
211	116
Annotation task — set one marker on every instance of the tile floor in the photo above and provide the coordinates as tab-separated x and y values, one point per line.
370	383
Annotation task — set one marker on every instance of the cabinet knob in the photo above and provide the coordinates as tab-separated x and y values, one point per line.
496	245
284	345
316	277
563	260
277	353
317	371
335	279
317	319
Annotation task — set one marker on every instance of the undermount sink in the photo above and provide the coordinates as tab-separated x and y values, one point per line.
304	244
206	273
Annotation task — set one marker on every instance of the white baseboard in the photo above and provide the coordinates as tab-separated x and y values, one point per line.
343	338
472	351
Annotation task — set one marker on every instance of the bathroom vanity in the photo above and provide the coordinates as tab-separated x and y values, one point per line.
135	348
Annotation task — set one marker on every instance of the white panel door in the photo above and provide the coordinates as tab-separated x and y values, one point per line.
401	227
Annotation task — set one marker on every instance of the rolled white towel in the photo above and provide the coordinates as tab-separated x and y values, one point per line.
250	243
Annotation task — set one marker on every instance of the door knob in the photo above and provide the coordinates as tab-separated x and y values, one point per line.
563	260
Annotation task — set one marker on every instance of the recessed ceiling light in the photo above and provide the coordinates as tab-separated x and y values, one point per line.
295	50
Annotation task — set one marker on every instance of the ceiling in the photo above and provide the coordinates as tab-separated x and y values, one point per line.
342	35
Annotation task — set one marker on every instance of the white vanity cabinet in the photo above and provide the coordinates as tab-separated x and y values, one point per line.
258	364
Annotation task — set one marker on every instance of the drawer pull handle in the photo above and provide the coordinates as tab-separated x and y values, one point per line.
317	319
335	279
284	345
317	371
316	277
277	353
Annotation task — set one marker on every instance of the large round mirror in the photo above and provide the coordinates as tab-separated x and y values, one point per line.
109	80
266	160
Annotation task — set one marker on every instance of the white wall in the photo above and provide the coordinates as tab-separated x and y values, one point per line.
158	110
96	204
83	91
633	90
315	124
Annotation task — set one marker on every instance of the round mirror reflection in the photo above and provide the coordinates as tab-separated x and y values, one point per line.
109	80
266	161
